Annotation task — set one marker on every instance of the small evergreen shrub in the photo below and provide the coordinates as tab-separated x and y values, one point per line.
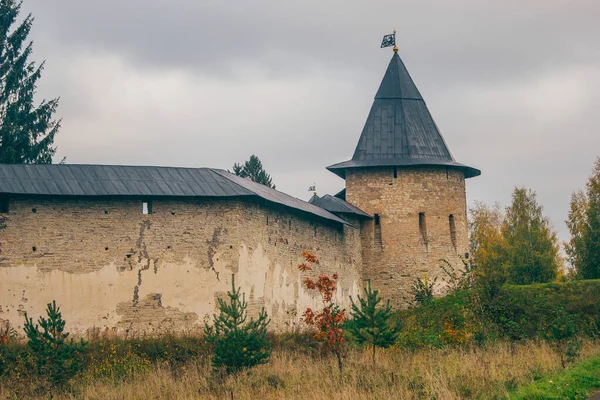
371	323
237	344
57	359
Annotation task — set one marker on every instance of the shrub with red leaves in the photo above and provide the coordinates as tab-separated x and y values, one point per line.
327	322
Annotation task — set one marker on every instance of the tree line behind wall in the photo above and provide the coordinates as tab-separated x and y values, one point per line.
518	244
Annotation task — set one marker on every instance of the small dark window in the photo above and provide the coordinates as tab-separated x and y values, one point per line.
33	210
423	227
4	206
377	230
395	172
452	230
147	207
267	219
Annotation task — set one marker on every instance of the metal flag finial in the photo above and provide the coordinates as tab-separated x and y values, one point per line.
390	40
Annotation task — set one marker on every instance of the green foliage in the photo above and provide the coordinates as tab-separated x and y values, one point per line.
371	323
532	254
422	291
238	344
516	312
576	222
577	382
562	335
26	132
463	279
253	170
56	358
584	224
487	245
445	321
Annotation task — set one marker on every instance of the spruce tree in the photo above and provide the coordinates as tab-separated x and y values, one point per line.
56	358
253	170
531	244
237	344
26	132
371	323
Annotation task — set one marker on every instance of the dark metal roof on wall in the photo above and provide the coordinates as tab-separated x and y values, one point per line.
336	205
400	130
115	180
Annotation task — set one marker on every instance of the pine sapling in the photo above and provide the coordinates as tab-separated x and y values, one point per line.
56	358
237	344
371	322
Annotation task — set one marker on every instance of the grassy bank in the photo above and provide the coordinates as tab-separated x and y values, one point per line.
487	372
577	382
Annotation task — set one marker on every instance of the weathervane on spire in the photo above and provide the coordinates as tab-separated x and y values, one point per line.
390	40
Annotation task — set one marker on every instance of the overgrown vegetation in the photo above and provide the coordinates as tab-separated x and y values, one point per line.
479	372
422	291
472	343
514	312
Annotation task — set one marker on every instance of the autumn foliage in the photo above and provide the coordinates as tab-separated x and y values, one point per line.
328	321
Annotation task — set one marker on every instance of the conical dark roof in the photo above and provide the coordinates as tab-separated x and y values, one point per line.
400	130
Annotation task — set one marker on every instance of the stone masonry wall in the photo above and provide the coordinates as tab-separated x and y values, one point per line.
400	252
110	267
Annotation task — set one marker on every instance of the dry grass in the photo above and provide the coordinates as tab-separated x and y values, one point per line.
480	373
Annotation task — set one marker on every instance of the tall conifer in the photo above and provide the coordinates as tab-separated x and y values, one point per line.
27	131
253	170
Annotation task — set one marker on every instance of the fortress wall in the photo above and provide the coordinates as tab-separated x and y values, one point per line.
110	267
399	252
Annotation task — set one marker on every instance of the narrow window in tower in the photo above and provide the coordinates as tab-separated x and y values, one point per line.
377	230
452	231
147	207
395	172
423	227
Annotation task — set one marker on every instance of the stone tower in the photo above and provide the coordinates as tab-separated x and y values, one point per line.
403	174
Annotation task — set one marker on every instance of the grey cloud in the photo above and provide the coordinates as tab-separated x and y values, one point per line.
513	85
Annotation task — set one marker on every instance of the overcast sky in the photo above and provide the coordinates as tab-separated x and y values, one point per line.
513	85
